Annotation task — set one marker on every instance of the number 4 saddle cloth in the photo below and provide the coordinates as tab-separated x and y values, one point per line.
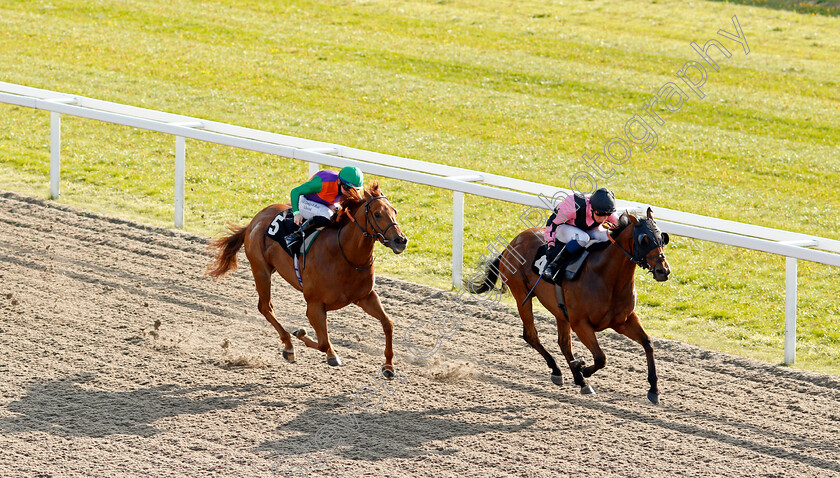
570	268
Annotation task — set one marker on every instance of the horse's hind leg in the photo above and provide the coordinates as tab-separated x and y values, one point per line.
529	333
317	315
564	339
262	279
586	334
633	329
373	306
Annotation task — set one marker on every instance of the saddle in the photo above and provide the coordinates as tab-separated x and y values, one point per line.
570	268
283	225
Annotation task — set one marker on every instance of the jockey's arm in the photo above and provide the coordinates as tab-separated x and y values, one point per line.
314	185
611	222
564	213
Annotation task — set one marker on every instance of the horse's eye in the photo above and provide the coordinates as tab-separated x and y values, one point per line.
395	212
377	215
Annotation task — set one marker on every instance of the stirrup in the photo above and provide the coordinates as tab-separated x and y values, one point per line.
295	241
558	259
549	274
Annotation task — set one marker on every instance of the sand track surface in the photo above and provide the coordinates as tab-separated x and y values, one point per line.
118	358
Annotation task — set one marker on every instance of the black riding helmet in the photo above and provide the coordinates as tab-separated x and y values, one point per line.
603	201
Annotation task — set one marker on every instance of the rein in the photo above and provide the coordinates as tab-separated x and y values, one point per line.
360	269
379	234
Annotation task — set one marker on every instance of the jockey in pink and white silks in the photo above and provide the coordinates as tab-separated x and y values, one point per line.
577	222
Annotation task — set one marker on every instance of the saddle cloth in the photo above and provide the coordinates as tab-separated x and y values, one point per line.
283	225
569	269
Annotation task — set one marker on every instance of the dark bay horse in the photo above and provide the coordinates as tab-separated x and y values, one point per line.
338	270
604	295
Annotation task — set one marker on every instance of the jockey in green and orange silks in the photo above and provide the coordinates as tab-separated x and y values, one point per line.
315	201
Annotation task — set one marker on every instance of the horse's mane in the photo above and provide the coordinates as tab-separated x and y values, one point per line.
353	201
623	222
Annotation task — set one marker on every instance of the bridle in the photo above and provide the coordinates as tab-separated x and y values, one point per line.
379	234
640	252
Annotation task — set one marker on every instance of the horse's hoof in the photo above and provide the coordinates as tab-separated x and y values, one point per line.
557	379
653	397
388	371
334	361
299	333
587	390
289	355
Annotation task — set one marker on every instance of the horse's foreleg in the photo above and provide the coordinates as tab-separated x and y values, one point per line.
317	315
529	333
262	280
586	334
373	306
633	329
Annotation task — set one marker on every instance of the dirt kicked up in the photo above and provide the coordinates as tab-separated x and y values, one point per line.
118	358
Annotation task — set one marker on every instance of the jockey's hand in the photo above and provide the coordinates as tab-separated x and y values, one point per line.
608	225
298	219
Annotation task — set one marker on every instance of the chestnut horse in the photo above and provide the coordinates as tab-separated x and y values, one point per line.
604	295
338	269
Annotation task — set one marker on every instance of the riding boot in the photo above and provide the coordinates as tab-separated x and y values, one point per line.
296	238
550	270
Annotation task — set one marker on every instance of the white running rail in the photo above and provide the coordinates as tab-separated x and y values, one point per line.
460	181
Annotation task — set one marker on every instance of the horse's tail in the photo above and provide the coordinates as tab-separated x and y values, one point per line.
485	280
225	249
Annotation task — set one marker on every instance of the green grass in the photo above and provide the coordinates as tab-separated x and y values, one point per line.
521	89
814	7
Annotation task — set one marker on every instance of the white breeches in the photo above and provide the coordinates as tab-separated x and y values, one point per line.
309	209
567	232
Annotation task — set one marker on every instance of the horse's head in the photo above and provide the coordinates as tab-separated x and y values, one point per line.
648	244
378	219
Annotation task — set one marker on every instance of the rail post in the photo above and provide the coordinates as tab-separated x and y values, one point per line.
458	231
55	155
55	147
791	273
180	173
457	238
791	269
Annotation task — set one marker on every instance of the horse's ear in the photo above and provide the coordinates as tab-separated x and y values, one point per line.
633	219
373	189
650	213
624	220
